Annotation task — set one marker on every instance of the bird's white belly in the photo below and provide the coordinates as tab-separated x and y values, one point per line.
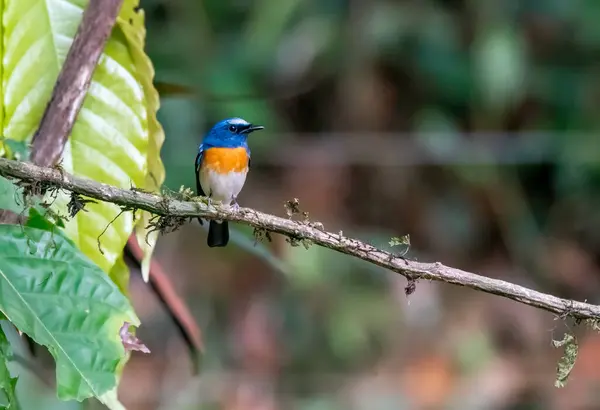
222	187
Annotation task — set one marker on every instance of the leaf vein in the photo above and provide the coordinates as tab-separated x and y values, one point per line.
83	377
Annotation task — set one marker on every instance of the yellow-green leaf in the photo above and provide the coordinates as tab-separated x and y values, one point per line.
110	139
131	23
120	275
62	300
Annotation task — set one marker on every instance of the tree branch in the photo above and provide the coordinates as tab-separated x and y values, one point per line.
164	289
69	91
73	81
71	86
57	123
173	211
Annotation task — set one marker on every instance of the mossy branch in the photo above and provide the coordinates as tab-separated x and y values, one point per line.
172	212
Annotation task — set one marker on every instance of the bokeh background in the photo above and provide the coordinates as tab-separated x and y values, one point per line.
472	126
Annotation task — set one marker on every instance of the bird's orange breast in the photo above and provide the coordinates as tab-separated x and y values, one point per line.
224	160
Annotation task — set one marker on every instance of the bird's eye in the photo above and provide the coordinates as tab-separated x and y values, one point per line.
232	128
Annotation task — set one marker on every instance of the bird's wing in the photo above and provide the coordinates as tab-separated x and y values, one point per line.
199	190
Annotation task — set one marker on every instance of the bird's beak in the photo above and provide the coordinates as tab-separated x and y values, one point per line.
253	128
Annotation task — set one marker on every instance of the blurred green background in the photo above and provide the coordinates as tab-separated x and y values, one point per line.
472	126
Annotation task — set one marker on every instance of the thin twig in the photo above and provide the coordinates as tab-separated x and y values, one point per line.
71	86
297	231
175	305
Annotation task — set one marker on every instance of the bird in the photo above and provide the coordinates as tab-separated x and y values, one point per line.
222	165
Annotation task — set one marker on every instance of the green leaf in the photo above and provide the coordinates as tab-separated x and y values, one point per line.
62	300
110	139
120	275
4	148
131	23
10	196
17	150
402	240
567	361
8	399
38	220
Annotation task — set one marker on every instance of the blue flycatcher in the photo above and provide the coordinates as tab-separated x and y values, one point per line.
222	164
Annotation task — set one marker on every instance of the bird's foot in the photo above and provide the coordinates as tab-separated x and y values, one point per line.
234	205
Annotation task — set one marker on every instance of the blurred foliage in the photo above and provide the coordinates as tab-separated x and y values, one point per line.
472	126
497	102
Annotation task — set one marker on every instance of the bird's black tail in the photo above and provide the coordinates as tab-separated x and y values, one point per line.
218	233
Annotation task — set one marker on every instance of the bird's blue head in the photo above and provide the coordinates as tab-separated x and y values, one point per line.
232	132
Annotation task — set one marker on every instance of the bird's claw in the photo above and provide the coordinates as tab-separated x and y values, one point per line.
234	205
